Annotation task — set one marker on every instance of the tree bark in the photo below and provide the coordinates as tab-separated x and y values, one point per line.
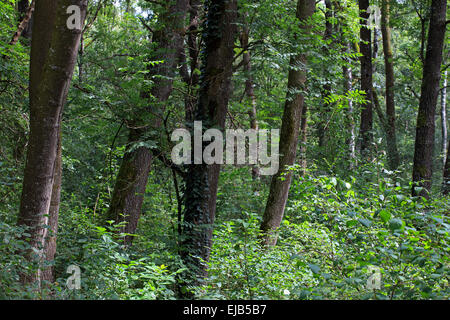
304	140
249	90
25	21
50	241
424	145
391	137
348	86
219	35
326	90
129	190
444	116
366	80
293	109
446	180
53	56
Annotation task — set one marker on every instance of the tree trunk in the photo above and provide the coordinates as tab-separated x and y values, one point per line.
50	241
202	180
348	86
25	21
23	7
444	116
128	194
326	90
293	110
304	140
446	180
53	56
366	80
423	151
391	137
249	91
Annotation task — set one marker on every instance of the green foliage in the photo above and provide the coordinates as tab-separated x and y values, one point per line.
339	224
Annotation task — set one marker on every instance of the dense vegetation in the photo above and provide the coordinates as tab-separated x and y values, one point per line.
364	191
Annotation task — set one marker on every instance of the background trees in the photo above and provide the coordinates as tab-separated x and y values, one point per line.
146	68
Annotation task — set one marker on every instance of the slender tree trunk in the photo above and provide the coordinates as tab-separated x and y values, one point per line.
366	80
326	90
348	86
249	91
53	57
391	137
129	190
423	151
219	35
291	120
24	26
304	140
444	116
50	241
194	50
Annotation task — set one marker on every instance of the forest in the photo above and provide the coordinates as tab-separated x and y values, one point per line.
224	150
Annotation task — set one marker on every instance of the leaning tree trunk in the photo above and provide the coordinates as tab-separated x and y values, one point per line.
23	29
423	151
366	79
53	55
391	137
293	109
202	180
129	190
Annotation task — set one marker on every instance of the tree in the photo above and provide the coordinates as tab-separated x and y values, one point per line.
293	109
425	128
322	125
444	116
391	137
366	79
249	90
24	28
48	273
129	190
219	35
53	55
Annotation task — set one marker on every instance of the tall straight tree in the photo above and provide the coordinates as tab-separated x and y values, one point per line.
128	194
391	137
444	115
425	129
366	78
249	90
293	110
326	90
53	55
219	35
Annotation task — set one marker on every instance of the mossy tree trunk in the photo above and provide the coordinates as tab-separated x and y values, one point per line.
53	55
425	129
293	110
391	136
219	35
131	181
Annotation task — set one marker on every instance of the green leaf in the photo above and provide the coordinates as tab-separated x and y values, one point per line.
385	216
314	268
365	222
